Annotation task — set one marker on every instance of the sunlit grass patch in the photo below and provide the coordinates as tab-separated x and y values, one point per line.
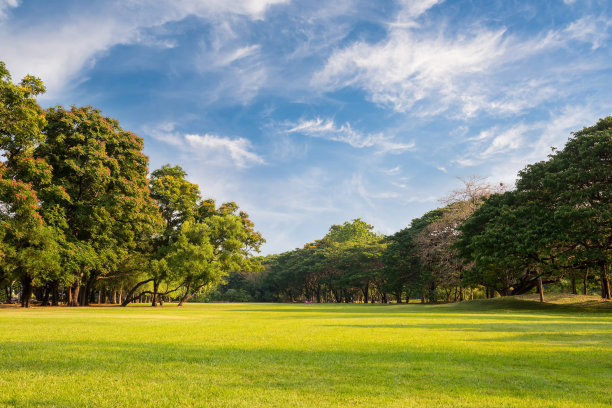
273	355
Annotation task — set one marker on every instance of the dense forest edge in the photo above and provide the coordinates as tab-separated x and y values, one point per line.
82	221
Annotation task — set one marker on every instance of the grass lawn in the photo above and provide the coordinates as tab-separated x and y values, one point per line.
480	354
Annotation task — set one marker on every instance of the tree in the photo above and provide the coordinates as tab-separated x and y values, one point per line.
217	244
506	238
199	243
29	247
107	207
559	219
576	185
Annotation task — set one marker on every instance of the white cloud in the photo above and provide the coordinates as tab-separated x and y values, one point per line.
590	29
327	129
254	9
502	152
412	9
406	68
61	47
236	55
422	69
164	132
503	141
392	172
216	149
239	149
5	5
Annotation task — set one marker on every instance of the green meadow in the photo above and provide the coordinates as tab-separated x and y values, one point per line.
476	354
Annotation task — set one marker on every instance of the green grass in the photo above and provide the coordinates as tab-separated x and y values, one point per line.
476	354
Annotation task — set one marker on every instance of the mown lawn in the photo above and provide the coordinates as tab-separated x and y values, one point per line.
295	355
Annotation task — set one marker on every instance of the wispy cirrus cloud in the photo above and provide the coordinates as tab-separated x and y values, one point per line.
65	44
421	69
239	149
328	129
590	29
500	152
216	149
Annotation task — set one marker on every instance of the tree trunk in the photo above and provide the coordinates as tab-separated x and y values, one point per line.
45	296
75	292
55	293
187	295
335	296
318	293
186	298
88	291
9	293
84	293
154	296
398	296
130	295
605	282
586	281
26	291
574	291
540	289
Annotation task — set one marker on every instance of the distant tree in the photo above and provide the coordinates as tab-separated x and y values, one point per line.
506	238
404	267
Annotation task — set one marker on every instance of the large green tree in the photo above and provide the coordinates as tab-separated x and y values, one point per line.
575	184
559	219
199	243
29	247
107	206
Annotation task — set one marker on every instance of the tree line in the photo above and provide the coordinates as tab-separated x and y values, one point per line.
82	222
554	228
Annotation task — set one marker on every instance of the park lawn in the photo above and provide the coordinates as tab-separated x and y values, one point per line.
306	355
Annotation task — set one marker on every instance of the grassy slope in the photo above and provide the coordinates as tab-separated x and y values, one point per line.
504	354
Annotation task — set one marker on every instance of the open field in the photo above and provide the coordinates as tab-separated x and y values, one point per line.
508	354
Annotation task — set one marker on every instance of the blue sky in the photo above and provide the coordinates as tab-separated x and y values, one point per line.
311	113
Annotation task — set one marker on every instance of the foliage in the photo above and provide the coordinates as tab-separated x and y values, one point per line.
557	221
78	214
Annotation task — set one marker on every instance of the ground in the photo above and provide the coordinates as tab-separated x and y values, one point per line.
476	354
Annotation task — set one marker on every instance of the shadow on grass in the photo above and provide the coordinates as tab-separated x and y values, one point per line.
505	304
510	303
